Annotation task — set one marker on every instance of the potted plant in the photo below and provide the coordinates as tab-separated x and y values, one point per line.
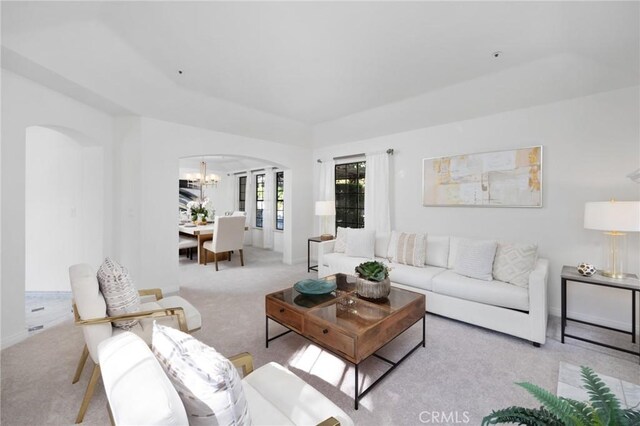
603	408
198	210
372	280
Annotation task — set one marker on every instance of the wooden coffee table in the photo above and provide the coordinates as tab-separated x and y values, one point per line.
347	325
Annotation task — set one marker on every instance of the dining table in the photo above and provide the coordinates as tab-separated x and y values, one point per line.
202	233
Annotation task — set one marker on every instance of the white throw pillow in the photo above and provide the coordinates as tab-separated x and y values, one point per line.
341	240
411	249
514	263
474	258
118	290
437	251
207	382
361	243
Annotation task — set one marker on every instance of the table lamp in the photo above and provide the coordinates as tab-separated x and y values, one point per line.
615	218
325	209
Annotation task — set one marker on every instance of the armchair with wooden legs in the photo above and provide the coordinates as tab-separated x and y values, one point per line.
228	235
90	312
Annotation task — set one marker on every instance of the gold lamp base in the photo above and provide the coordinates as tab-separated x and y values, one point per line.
615	275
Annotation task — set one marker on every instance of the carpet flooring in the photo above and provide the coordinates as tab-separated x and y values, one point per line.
463	373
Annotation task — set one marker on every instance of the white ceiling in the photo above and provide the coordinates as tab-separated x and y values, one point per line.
290	65
222	164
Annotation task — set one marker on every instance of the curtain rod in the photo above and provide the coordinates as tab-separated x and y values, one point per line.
251	171
362	154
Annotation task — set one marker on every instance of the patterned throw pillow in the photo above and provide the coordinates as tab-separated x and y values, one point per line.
514	263
207	382
118	290
411	249
341	240
474	258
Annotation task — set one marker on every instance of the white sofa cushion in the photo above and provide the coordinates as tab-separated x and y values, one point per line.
361	243
514	262
474	258
340	262
138	390
410	249
299	402
119	292
453	248
496	293
437	250
341	240
412	276
382	245
207	382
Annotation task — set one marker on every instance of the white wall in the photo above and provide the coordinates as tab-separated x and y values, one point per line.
63	204
156	147
590	144
27	104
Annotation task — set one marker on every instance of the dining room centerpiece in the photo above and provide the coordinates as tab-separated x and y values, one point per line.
199	211
372	280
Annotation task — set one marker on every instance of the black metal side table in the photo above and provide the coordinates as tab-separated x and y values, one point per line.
310	240
629	282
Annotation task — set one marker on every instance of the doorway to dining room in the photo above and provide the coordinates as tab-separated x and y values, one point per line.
63	217
234	185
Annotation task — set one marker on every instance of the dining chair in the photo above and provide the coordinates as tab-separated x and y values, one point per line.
90	312
187	244
228	235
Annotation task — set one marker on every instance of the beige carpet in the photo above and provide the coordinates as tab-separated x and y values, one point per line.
463	368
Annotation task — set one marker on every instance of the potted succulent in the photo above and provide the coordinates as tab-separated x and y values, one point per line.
372	280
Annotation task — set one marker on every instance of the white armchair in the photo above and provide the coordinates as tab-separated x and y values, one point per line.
139	392
228	235
90	311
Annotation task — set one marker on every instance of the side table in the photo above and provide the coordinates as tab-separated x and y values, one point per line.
629	282
310	240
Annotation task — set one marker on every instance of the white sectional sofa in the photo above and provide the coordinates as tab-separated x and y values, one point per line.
504	307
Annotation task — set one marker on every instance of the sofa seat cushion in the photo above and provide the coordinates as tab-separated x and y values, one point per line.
138	390
329	258
496	293
299	402
412	276
261	411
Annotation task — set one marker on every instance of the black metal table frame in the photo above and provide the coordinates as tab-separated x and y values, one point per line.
358	395
310	240
564	318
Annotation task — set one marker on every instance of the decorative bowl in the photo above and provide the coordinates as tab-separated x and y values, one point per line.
314	287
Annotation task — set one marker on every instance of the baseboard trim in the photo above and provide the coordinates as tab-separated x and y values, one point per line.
556	312
13	339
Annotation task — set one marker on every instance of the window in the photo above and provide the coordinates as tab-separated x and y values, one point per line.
280	200
242	184
350	180
259	199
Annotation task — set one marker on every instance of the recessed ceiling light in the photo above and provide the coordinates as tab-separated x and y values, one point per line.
497	54
180	72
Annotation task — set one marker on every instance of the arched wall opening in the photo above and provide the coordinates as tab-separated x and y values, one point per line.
63	214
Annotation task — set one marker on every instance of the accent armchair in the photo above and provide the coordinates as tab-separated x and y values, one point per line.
90	312
140	393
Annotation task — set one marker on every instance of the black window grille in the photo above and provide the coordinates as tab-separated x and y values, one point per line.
350	181
259	199
242	184
280	201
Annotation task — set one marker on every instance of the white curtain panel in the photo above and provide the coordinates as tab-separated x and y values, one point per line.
376	194
268	214
327	190
236	192
250	205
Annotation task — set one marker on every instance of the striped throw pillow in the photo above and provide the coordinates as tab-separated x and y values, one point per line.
410	249
118	290
207	382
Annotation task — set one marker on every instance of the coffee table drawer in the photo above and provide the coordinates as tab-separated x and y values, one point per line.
285	315
330	337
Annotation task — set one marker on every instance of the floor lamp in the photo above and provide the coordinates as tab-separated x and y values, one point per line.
616	219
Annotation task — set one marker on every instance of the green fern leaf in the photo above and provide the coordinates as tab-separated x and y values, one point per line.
522	416
630	417
603	400
586	412
556	406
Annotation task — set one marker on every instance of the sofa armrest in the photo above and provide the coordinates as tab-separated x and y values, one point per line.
154	313
325	247
156	292
331	421
538	300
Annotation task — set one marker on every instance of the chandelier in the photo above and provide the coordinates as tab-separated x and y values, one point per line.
202	180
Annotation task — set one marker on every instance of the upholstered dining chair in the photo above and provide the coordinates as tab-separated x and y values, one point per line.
228	235
188	244
90	312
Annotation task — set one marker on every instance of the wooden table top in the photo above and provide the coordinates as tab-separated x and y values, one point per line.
342	321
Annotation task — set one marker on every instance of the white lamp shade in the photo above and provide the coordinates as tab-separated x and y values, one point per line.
623	216
325	208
